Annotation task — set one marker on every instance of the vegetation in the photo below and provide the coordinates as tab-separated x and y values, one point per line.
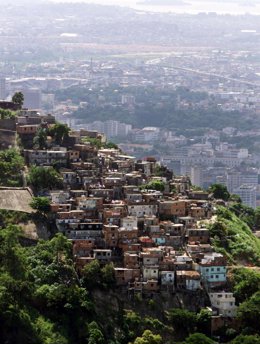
245	283
18	98
232	237
59	132
249	314
148	338
154	185
44	300
198	338
40	139
93	276
8	217
7	114
220	191
41	178
244	339
41	204
170	116
94	142
11	166
245	213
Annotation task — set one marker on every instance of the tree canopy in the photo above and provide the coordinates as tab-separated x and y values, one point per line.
11	166
220	191
44	178
18	98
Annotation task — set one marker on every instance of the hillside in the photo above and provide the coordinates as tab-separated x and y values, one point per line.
232	237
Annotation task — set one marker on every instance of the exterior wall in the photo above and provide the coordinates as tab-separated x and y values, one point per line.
150	261
225	303
27	129
167	277
198	235
150	273
102	255
214	274
192	284
129	222
173	208
142	210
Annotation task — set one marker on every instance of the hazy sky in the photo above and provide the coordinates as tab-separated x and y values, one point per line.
194	6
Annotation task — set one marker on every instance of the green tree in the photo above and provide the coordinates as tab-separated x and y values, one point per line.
182	320
235	198
245	213
59	132
40	139
12	259
93	141
18	99
249	313
95	334
204	321
246	282
198	338
91	275
108	275
41	204
148	338
11	166
257	217
157	185
44	178
220	191
243	339
6	114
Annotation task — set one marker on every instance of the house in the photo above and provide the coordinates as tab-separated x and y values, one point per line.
213	269
102	255
151	286
151	272
169	208
83	248
174	229
131	260
188	280
225	303
197	251
197	212
112	216
127	236
70	178
198	235
110	233
141	209
129	222
123	276
58	207
167	278
39	157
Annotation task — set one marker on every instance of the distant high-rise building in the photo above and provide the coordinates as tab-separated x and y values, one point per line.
197	175
247	194
32	98
2	88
